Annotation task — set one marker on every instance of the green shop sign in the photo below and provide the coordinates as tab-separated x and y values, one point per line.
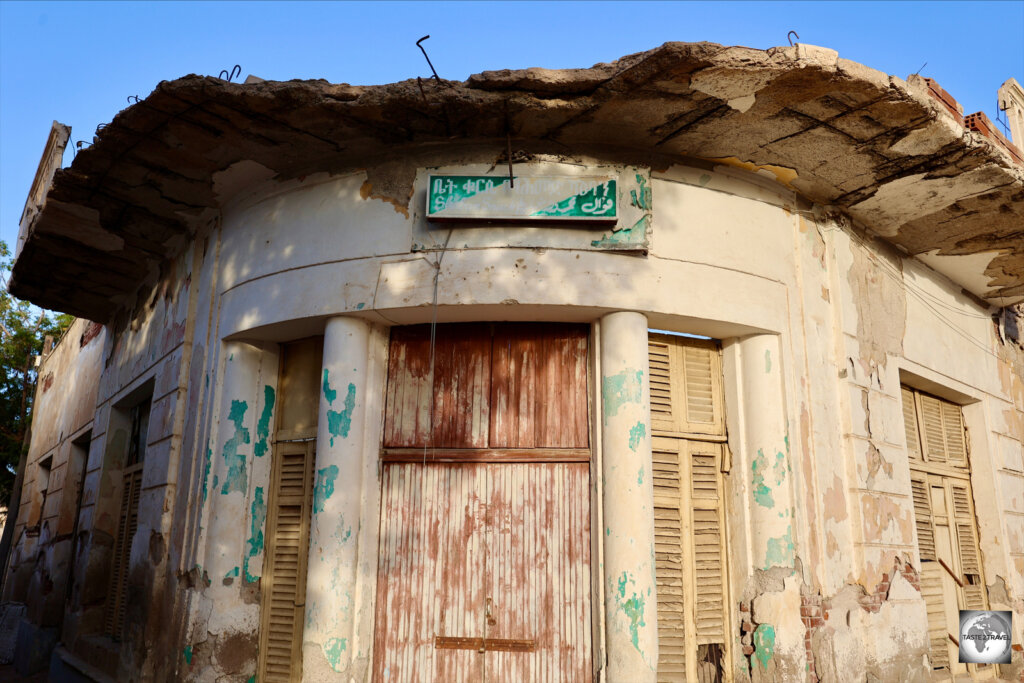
546	199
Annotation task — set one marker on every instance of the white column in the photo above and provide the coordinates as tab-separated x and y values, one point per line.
767	453
226	488
331	578
630	605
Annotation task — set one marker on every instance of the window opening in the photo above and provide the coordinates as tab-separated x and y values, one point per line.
947	531
688	454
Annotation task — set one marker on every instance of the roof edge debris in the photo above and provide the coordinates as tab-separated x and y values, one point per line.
892	154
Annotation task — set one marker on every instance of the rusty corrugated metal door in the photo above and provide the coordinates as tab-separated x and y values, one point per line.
485	524
484	556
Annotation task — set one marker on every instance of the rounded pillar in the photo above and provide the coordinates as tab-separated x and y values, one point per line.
328	639
630	601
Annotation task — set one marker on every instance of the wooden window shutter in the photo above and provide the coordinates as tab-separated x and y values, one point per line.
686	386
931	590
934	428
910	426
934	434
953	431
688	426
284	577
708	542
670	568
128	523
967	544
703	384
662	412
923	519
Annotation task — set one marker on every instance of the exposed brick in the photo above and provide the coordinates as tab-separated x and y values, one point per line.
748	650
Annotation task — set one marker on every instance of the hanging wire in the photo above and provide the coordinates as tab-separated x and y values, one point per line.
433	344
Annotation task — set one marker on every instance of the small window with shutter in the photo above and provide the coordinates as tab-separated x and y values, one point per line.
947	531
688	449
132	415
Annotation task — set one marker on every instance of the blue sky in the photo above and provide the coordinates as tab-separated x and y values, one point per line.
77	62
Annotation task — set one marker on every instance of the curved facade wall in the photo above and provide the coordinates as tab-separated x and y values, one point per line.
819	326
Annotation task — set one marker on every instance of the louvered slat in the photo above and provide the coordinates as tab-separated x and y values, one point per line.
128	522
923	519
700	403
931	590
670	576
910	427
934	435
285	565
953	431
709	563
661	384
967	542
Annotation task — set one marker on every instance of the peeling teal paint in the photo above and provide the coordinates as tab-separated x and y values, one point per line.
764	644
641	199
636	433
236	479
767	361
333	649
780	552
255	540
762	494
263	426
339	423
329	394
640	477
619	389
251	679
232	573
360	306
188	654
607	531
760	468
635	234
324	487
633	608
206	469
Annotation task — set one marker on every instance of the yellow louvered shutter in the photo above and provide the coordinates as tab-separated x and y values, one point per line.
910	426
688	426
284	578
128	523
967	544
670	568
934	600
934	435
686	386
923	519
708	542
662	414
953	433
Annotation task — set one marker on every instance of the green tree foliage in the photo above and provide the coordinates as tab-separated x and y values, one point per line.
23	329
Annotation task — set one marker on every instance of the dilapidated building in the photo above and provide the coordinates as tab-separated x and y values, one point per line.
700	365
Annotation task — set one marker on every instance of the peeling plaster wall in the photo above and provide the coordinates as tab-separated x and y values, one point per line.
820	323
41	554
144	349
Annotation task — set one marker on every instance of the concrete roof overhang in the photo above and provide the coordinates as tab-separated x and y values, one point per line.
872	146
